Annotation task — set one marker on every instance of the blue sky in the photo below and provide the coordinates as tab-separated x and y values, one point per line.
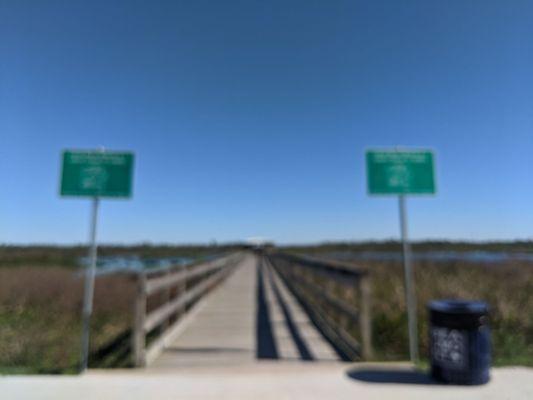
250	118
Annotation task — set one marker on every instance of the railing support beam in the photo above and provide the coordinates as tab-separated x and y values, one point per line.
365	322
138	335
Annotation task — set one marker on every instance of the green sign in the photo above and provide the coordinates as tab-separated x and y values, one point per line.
400	172
96	174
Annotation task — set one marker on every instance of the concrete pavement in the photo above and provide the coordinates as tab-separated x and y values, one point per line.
265	380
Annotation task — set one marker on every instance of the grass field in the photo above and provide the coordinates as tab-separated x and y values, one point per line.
506	286
523	246
41	294
40	305
40	324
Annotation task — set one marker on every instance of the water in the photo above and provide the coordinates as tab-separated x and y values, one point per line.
133	263
436	256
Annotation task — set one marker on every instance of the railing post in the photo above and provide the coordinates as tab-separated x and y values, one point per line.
181	291
348	294
138	335
166	299
365	321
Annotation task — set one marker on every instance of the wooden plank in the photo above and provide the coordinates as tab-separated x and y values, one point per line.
156	317
205	269
159	283
157	347
338	267
224	331
138	334
342	339
147	285
343	277
154	285
334	302
366	318
307	341
150	273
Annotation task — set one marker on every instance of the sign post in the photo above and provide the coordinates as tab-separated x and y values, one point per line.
94	174
89	287
410	299
403	172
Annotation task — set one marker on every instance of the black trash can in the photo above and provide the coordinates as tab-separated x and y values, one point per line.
459	339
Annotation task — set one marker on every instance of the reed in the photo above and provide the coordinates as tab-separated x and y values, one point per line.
40	317
506	286
40	309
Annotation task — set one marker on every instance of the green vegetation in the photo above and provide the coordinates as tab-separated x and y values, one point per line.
432	245
41	293
40	322
507	286
41	299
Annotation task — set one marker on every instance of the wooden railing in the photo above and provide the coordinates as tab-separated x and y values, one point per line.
164	295
336	296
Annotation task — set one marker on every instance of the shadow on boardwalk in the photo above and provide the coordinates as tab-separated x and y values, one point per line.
266	345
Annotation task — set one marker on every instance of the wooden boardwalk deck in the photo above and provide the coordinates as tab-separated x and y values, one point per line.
252	316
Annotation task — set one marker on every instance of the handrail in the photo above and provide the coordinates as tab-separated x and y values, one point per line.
341	267
188	272
173	267
205	275
158	316
340	305
317	284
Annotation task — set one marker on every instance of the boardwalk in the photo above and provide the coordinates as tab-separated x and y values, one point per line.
252	316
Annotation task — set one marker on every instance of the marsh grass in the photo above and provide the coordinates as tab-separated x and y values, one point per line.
40	317
507	287
40	310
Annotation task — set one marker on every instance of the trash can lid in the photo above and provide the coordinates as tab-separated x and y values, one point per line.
459	306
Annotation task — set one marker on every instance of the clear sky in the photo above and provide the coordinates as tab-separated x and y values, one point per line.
250	118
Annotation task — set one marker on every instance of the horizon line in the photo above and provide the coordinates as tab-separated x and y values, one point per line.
284	244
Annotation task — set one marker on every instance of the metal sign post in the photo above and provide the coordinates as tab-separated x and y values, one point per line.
410	299
94	174
89	287
403	172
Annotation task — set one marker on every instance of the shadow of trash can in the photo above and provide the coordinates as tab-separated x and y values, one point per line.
459	339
